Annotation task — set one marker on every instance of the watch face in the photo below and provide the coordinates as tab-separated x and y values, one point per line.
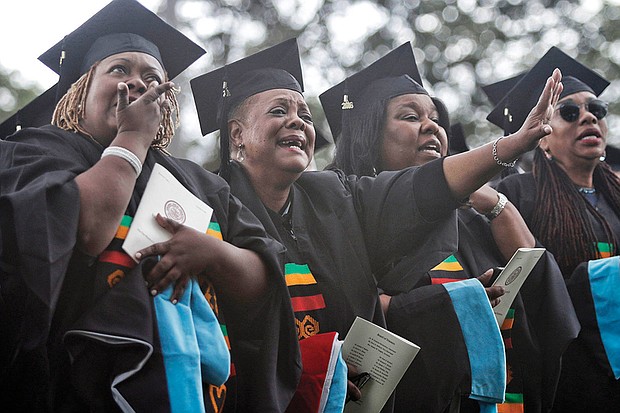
499	207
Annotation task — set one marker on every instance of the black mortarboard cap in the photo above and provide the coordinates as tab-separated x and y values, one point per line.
496	91
36	113
320	141
278	67
113	30
456	139
394	74
510	113
221	90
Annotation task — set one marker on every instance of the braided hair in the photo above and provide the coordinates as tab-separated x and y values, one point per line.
71	107
562	216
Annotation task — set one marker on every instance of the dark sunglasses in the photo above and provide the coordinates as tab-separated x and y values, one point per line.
570	110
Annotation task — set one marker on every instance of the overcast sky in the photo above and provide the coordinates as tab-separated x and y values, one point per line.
30	27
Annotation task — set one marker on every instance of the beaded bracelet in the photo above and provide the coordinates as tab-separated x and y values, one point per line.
496	158
126	154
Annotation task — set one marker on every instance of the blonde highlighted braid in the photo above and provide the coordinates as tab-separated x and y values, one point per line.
70	111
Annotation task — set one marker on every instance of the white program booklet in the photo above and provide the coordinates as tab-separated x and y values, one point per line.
513	276
165	195
385	355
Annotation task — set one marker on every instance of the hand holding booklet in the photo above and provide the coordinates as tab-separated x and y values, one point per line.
381	353
165	195
513	276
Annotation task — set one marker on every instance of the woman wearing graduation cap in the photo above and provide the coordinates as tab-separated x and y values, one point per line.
338	230
408	128
85	333
571	202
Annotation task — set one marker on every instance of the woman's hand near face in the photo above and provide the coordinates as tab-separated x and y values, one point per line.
141	117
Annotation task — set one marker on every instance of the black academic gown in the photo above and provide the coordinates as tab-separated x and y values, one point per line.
585	384
541	324
345	229
48	288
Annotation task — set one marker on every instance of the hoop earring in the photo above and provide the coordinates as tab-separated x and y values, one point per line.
240	155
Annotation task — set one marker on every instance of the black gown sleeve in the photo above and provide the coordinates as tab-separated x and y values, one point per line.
426	317
409	222
264	342
266	350
39	205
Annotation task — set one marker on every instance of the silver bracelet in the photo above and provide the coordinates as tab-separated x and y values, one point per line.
126	154
496	158
499	207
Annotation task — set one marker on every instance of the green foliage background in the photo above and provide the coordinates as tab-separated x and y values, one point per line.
459	45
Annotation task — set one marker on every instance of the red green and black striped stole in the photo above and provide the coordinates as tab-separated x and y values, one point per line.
216	395
449	270
605	249
306	298
513	403
514	380
114	263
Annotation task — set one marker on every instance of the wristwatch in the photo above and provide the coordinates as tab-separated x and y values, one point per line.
498	208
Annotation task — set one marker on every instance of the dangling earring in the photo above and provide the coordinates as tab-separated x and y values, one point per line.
240	155
548	154
603	156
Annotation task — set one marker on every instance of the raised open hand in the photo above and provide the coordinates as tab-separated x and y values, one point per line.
536	125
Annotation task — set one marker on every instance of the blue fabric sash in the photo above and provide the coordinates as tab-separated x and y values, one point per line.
338	388
604	277
193	347
483	339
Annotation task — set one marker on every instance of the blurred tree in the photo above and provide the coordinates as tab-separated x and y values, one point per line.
460	45
14	94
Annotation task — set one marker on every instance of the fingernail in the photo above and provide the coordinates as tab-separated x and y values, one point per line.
175	301
138	255
153	292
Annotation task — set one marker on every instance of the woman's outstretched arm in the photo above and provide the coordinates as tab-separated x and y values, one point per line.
466	172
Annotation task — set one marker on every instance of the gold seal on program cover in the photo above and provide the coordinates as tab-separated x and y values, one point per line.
174	211
513	276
